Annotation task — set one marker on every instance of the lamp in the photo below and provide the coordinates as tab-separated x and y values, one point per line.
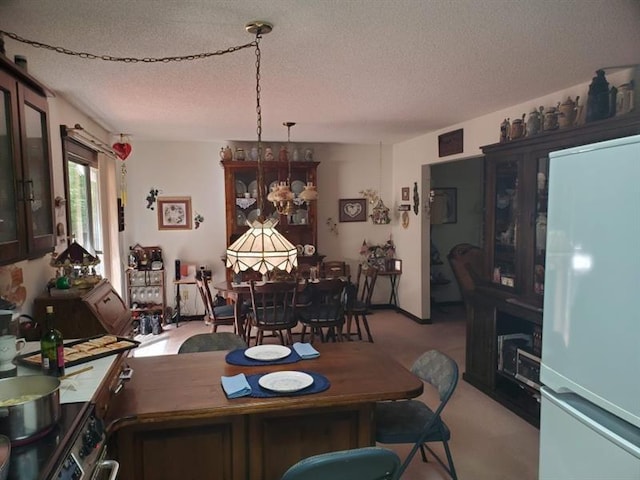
283	199
261	248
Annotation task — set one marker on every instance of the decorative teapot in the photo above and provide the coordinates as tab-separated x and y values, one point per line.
567	114
226	154
534	122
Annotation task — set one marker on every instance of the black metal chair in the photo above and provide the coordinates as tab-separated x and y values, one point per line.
412	421
367	463
273	309
325	311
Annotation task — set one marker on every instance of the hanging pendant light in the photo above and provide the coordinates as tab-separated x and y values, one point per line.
261	248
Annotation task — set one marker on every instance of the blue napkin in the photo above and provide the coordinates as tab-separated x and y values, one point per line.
305	350
236	386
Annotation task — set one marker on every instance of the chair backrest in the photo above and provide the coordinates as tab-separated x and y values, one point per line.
211	342
334	269
367	463
466	262
440	371
273	301
206	300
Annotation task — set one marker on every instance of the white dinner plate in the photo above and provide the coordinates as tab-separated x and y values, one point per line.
287	381
267	352
297	186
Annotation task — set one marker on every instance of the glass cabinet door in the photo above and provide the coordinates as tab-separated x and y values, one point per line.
506	224
540	214
10	221
37	175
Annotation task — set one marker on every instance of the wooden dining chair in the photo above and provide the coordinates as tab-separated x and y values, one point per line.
273	309
358	300
334	269
217	315
324	315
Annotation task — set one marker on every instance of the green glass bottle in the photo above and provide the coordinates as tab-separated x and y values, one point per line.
52	347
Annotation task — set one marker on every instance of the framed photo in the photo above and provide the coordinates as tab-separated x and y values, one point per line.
352	209
444	205
405	194
174	213
450	143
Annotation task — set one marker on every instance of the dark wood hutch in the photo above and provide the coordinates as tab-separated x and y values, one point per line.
510	301
240	177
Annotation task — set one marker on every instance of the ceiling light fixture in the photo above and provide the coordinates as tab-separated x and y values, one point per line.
261	248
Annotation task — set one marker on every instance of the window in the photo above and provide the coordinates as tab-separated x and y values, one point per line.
82	186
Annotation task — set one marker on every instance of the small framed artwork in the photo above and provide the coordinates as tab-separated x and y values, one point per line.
405	194
174	213
450	143
352	209
444	206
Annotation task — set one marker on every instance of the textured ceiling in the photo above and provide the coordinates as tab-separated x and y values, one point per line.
347	71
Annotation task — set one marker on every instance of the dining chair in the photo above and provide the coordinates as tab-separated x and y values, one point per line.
325	311
218	315
366	463
211	342
358	300
412	421
273	309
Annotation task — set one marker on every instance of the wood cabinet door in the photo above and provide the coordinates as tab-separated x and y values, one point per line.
481	355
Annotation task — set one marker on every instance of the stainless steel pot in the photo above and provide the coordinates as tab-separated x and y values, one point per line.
33	415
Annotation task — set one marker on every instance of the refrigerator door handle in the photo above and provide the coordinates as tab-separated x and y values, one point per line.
614	429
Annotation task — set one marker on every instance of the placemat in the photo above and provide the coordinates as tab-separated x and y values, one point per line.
320	384
237	357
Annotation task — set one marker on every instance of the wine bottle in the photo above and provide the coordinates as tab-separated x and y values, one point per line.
52	347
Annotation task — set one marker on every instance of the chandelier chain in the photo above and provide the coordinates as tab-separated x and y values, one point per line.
261	192
110	58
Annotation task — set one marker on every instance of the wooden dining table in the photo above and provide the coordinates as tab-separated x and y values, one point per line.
173	419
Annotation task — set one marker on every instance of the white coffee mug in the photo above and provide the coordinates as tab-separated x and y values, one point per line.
9	348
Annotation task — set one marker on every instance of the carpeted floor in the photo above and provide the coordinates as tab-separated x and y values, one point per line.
488	441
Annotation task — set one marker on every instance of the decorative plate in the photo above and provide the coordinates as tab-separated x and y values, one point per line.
241	188
253	187
253	215
309	250
267	352
286	381
241	219
297	186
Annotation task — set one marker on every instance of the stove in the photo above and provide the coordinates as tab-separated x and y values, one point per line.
71	450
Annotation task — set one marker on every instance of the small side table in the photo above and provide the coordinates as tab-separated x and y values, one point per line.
393	275
177	283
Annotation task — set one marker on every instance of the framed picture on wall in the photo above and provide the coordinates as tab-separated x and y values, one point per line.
174	213
352	209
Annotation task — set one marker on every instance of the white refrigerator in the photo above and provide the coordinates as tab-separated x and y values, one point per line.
590	406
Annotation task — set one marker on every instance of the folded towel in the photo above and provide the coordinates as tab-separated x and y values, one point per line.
236	386
305	350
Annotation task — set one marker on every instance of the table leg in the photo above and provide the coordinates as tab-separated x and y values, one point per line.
177	305
393	298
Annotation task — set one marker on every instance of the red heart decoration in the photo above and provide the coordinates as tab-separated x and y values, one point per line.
122	150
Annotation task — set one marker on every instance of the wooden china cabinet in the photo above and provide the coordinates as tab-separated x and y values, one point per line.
507	307
240	180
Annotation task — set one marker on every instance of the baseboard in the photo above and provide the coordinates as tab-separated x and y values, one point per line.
421	321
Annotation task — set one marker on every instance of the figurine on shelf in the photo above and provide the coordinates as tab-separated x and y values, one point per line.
505	126
268	154
598	98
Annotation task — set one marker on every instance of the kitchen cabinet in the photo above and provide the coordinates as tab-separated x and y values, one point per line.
511	301
26	195
240	180
82	313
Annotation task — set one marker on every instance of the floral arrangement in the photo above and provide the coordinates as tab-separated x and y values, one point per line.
377	255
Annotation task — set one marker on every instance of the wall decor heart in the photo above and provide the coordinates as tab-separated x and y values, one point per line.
123	150
353	210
